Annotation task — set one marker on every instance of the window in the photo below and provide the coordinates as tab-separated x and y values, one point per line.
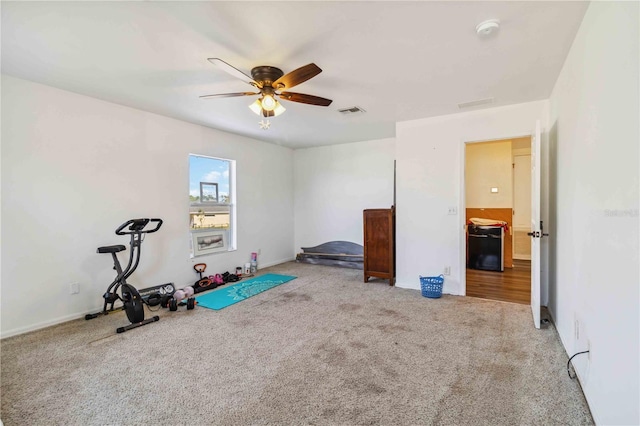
211	204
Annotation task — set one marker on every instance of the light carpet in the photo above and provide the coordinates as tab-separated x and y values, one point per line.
325	349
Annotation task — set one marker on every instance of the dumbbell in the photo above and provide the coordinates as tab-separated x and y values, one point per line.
179	296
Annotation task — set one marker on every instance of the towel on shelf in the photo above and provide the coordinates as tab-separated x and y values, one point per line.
478	221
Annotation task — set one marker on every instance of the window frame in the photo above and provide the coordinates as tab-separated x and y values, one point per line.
231	237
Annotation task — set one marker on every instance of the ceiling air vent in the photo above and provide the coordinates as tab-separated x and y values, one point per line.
475	103
351	111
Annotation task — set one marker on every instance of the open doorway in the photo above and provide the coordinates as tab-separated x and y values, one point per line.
498	209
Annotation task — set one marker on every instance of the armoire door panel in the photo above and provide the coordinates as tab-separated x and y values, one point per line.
379	238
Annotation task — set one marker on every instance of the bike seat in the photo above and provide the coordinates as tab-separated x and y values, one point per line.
111	249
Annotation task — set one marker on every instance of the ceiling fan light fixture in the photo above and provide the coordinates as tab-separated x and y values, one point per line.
259	108
268	103
279	109
256	107
268	80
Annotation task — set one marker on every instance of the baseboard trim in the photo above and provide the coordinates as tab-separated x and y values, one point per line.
48	323
277	262
579	377
521	257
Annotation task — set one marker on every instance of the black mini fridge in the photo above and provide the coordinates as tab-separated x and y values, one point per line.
486	247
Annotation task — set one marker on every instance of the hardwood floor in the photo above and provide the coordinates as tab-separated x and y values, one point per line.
512	285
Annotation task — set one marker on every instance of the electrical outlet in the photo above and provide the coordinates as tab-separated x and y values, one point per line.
447	270
74	288
576	329
452	210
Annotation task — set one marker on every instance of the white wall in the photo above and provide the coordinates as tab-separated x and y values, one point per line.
334	184
594	162
429	155
488	165
74	168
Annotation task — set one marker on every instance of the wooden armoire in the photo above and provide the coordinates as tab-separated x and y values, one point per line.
379	244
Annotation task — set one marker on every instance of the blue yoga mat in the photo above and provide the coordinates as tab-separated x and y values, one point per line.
228	295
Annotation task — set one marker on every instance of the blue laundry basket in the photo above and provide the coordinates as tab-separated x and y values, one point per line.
432	286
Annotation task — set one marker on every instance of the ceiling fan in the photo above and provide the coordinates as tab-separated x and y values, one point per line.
271	81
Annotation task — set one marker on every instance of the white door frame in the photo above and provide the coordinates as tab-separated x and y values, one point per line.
513	197
463	204
536	224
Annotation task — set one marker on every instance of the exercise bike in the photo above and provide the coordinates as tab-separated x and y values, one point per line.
133	301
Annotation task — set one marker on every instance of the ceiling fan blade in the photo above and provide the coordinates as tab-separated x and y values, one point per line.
229	95
230	69
296	77
305	99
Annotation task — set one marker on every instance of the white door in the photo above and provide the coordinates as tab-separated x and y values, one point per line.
536	232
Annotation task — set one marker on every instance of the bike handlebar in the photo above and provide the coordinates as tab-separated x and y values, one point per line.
138	225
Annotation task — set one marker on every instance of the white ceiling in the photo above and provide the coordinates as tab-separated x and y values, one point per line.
397	60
